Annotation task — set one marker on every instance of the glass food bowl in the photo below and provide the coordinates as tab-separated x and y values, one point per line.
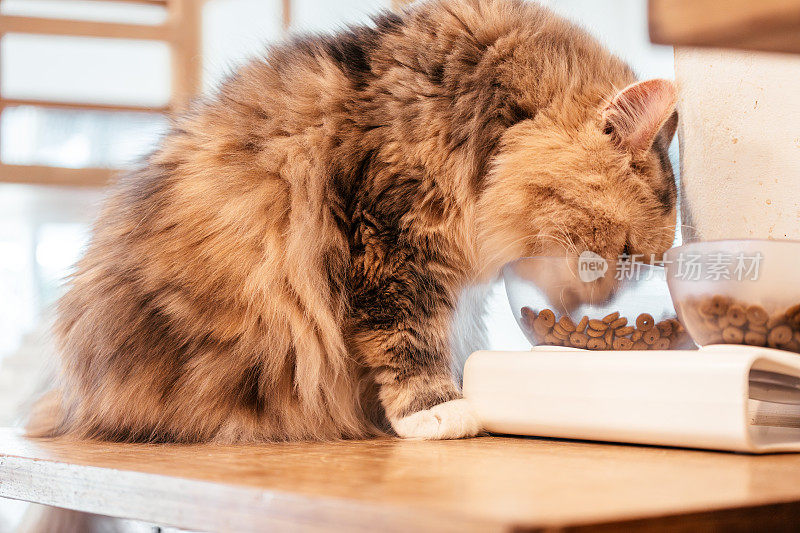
738	291
589	303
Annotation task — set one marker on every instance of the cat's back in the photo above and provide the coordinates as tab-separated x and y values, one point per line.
335	97
214	278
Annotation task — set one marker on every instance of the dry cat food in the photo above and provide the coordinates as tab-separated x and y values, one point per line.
612	332
723	320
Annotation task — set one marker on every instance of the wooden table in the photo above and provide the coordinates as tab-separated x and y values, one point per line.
487	484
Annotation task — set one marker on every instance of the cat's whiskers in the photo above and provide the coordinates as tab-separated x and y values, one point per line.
569	244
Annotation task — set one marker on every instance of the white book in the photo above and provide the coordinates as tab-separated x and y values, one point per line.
736	398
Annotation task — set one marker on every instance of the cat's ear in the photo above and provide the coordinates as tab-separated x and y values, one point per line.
669	127
635	115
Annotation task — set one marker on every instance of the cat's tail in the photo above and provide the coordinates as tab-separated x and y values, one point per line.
45	418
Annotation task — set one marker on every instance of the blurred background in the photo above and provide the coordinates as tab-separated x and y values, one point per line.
84	88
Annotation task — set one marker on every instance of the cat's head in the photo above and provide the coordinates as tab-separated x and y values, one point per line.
598	180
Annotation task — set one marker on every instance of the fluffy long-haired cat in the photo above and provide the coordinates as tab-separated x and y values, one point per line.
288	263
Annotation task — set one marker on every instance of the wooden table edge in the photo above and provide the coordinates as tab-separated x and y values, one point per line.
189	503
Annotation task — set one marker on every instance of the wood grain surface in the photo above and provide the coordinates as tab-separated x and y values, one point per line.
767	25
489	483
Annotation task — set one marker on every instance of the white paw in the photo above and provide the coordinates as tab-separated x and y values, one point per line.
450	420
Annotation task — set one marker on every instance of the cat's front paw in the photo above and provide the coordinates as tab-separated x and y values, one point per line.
449	420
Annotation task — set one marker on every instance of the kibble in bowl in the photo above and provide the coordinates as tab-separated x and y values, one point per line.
744	292
559	301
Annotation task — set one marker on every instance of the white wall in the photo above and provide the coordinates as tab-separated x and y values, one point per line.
740	143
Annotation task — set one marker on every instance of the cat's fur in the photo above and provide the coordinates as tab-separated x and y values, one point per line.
287	264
